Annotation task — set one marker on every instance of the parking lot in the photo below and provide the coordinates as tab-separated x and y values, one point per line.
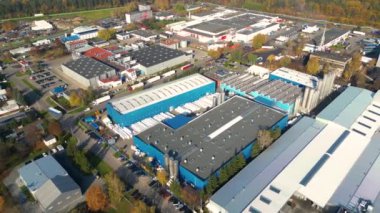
45	79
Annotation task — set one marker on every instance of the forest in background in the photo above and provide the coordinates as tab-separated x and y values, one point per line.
357	12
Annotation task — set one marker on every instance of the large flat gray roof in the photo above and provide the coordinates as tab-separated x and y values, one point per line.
88	67
239	192
330	35
211	140
153	55
221	25
347	107
332	56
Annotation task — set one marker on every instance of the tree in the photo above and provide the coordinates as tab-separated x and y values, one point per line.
96	199
212	184
258	41
252	58
256	149
131	6
190	196
271	59
175	188
75	99
81	160
162	177
223	176
264	139
326	68
54	128
312	66
141	207
179	8
240	161
275	133
162	4
360	80
2	203
215	54
106	34
71	146
115	187
236	55
8	26
285	61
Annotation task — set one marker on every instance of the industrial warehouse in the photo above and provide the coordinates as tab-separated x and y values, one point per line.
331	161
156	58
87	71
130	109
285	89
197	150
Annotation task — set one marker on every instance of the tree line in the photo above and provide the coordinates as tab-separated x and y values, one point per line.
19	8
357	12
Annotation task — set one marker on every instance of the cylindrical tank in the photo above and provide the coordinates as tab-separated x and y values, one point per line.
166	161
175	169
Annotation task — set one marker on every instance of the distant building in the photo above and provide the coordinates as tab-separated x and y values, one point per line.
49	140
87	71
248	34
331	37
164	15
171	43
76	44
20	51
85	32
50	185
98	53
41	42
156	58
145	35
122	36
198	149
41	25
336	62
138	16
310	162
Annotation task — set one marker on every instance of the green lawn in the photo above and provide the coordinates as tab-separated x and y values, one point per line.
51	102
123	206
88	14
77	110
97	163
30	85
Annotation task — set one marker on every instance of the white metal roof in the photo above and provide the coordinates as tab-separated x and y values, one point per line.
318	171
159	93
296	76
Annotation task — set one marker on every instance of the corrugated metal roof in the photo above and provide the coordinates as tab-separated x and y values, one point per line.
347	107
236	195
159	93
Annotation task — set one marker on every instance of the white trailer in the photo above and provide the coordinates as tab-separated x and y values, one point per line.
154	79
167	74
101	100
135	86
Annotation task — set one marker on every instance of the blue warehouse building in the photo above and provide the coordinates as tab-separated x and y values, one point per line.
273	93
147	103
200	148
287	90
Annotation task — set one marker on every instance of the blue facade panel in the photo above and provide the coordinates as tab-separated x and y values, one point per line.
149	150
189	177
162	106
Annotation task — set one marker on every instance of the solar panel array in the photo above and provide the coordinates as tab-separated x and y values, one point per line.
156	94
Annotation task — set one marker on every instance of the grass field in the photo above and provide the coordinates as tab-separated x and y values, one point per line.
87	14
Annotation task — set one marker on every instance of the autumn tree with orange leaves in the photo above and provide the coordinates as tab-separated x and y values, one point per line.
96	199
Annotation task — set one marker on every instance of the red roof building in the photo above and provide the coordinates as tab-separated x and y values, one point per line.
98	53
